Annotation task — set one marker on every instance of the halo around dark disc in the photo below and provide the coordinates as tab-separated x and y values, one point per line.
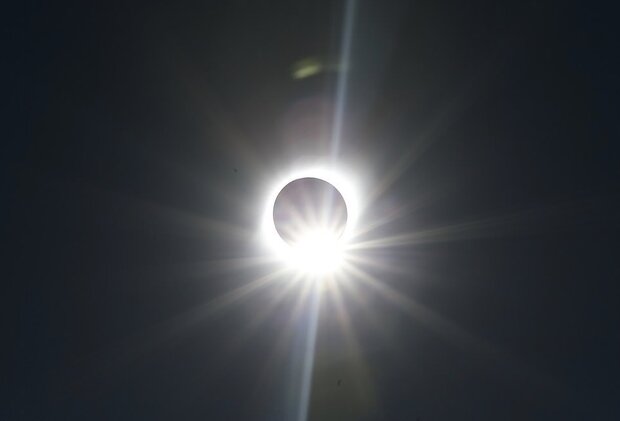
309	204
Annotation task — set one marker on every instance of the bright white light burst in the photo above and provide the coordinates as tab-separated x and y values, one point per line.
317	250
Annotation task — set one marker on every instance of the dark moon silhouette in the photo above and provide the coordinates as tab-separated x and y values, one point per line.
308	203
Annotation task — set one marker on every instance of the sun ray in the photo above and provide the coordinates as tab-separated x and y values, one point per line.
354	349
186	223
481	228
389	216
421	143
287	331
355	291
224	265
343	75
242	335
362	261
162	334
233	141
455	335
309	349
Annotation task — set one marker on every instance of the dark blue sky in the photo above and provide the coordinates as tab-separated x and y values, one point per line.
125	124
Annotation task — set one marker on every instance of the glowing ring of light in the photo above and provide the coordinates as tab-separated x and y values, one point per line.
314	193
343	184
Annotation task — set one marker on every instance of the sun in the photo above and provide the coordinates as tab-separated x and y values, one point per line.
318	252
308	220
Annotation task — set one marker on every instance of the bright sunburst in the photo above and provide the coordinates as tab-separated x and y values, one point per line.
324	240
309	220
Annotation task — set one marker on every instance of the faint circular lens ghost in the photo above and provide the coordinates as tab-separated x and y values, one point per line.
309	205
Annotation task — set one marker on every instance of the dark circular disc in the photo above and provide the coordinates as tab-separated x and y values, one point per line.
308	204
